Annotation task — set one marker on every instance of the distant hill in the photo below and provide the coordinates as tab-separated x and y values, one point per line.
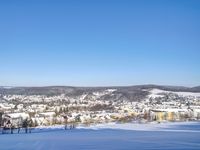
196	89
132	93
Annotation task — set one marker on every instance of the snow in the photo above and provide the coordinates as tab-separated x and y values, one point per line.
48	113
109	137
158	93
188	94
111	90
171	110
18	115
83	96
153	126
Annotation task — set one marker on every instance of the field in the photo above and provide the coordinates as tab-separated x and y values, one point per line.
166	136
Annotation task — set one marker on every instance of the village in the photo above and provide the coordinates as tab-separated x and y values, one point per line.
29	111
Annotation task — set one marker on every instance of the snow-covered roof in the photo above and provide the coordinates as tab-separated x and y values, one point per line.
170	110
18	115
48	113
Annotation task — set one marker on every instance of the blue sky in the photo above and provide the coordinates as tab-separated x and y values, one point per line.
99	42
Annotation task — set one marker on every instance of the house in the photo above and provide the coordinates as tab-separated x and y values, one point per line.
168	114
14	119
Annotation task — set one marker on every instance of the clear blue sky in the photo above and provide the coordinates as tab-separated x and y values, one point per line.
99	42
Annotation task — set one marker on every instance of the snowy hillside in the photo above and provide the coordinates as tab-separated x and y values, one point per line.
159	93
182	136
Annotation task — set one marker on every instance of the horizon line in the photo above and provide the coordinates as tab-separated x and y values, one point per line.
96	86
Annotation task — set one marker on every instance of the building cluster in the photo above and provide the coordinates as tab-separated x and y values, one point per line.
61	109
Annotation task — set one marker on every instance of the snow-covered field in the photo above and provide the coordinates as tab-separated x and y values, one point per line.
111	136
158	93
153	126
